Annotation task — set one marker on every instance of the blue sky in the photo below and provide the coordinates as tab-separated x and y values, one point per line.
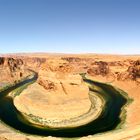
70	26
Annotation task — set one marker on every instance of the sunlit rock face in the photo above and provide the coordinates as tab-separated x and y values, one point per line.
12	70
55	97
99	68
132	72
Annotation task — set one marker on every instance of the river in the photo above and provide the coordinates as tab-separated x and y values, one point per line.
109	118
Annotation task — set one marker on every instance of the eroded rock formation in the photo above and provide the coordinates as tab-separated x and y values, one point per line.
132	73
99	68
12	69
48	85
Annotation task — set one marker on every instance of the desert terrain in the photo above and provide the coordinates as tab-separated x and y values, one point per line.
48	91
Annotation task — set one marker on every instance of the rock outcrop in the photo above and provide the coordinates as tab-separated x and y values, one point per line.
2	60
48	85
71	59
99	68
132	73
12	69
134	70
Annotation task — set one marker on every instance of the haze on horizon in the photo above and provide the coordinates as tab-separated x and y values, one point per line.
70	26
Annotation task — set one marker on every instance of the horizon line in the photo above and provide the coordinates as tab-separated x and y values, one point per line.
65	53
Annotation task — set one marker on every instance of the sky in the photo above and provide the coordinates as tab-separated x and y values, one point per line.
70	26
